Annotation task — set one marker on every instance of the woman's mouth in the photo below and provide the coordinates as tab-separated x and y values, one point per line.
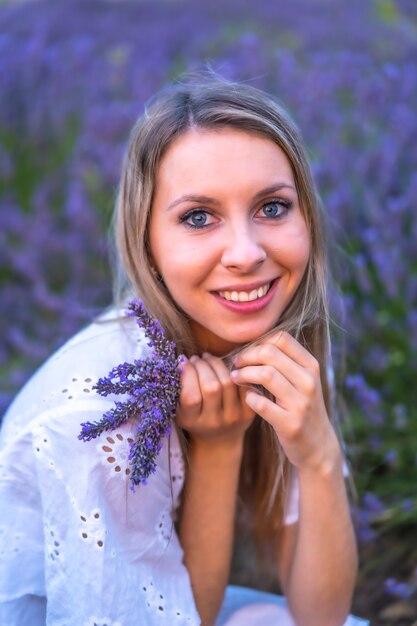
247	301
246	296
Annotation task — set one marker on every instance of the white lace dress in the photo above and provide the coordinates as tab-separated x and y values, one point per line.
77	546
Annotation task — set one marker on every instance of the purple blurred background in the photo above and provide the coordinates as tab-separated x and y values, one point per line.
73	78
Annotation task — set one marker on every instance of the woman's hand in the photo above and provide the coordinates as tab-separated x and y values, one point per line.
212	408
298	415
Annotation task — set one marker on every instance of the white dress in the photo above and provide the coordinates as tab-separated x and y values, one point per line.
77	546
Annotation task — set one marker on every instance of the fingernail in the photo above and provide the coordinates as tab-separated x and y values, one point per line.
193	358
234	373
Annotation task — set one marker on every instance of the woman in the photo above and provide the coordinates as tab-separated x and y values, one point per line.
219	231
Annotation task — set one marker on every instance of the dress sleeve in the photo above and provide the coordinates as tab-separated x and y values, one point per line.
22	584
99	553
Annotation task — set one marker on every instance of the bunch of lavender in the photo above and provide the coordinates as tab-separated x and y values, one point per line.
152	386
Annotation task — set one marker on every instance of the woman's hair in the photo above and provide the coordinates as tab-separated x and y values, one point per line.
213	103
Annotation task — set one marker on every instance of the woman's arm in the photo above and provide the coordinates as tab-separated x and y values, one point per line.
319	566
325	560
317	556
207	523
215	416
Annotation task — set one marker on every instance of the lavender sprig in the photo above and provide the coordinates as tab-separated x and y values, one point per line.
152	386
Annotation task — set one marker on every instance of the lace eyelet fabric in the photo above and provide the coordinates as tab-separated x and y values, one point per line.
114	450
53	544
11	543
92	529
177	465
155	601
165	526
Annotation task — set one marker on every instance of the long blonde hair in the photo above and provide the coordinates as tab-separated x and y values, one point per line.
211	103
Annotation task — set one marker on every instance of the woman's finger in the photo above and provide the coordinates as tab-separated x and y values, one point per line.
210	387
269	355
273	413
286	344
269	377
190	399
232	394
229	393
293	348
302	378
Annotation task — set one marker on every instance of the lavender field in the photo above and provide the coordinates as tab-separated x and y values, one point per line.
73	78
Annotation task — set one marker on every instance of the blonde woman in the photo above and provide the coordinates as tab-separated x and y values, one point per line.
219	231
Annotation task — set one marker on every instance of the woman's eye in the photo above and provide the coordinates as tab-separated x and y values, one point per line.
276	208
196	219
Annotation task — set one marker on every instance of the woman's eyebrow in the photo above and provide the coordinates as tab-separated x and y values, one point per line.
273	189
190	197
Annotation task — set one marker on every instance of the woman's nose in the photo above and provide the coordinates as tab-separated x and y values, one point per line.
242	251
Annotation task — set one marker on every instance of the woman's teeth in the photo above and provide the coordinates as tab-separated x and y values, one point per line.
245	296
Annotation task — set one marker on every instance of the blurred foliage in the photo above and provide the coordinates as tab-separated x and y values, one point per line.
74	77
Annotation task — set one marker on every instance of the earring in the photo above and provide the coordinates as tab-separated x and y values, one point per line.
157	276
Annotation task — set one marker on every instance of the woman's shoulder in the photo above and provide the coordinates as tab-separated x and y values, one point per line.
44	422
68	376
114	334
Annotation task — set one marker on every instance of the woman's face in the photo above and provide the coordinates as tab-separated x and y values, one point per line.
227	234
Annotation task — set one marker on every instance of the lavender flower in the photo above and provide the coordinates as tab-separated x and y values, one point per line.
152	386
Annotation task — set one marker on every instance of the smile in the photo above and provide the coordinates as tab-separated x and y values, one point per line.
245	296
